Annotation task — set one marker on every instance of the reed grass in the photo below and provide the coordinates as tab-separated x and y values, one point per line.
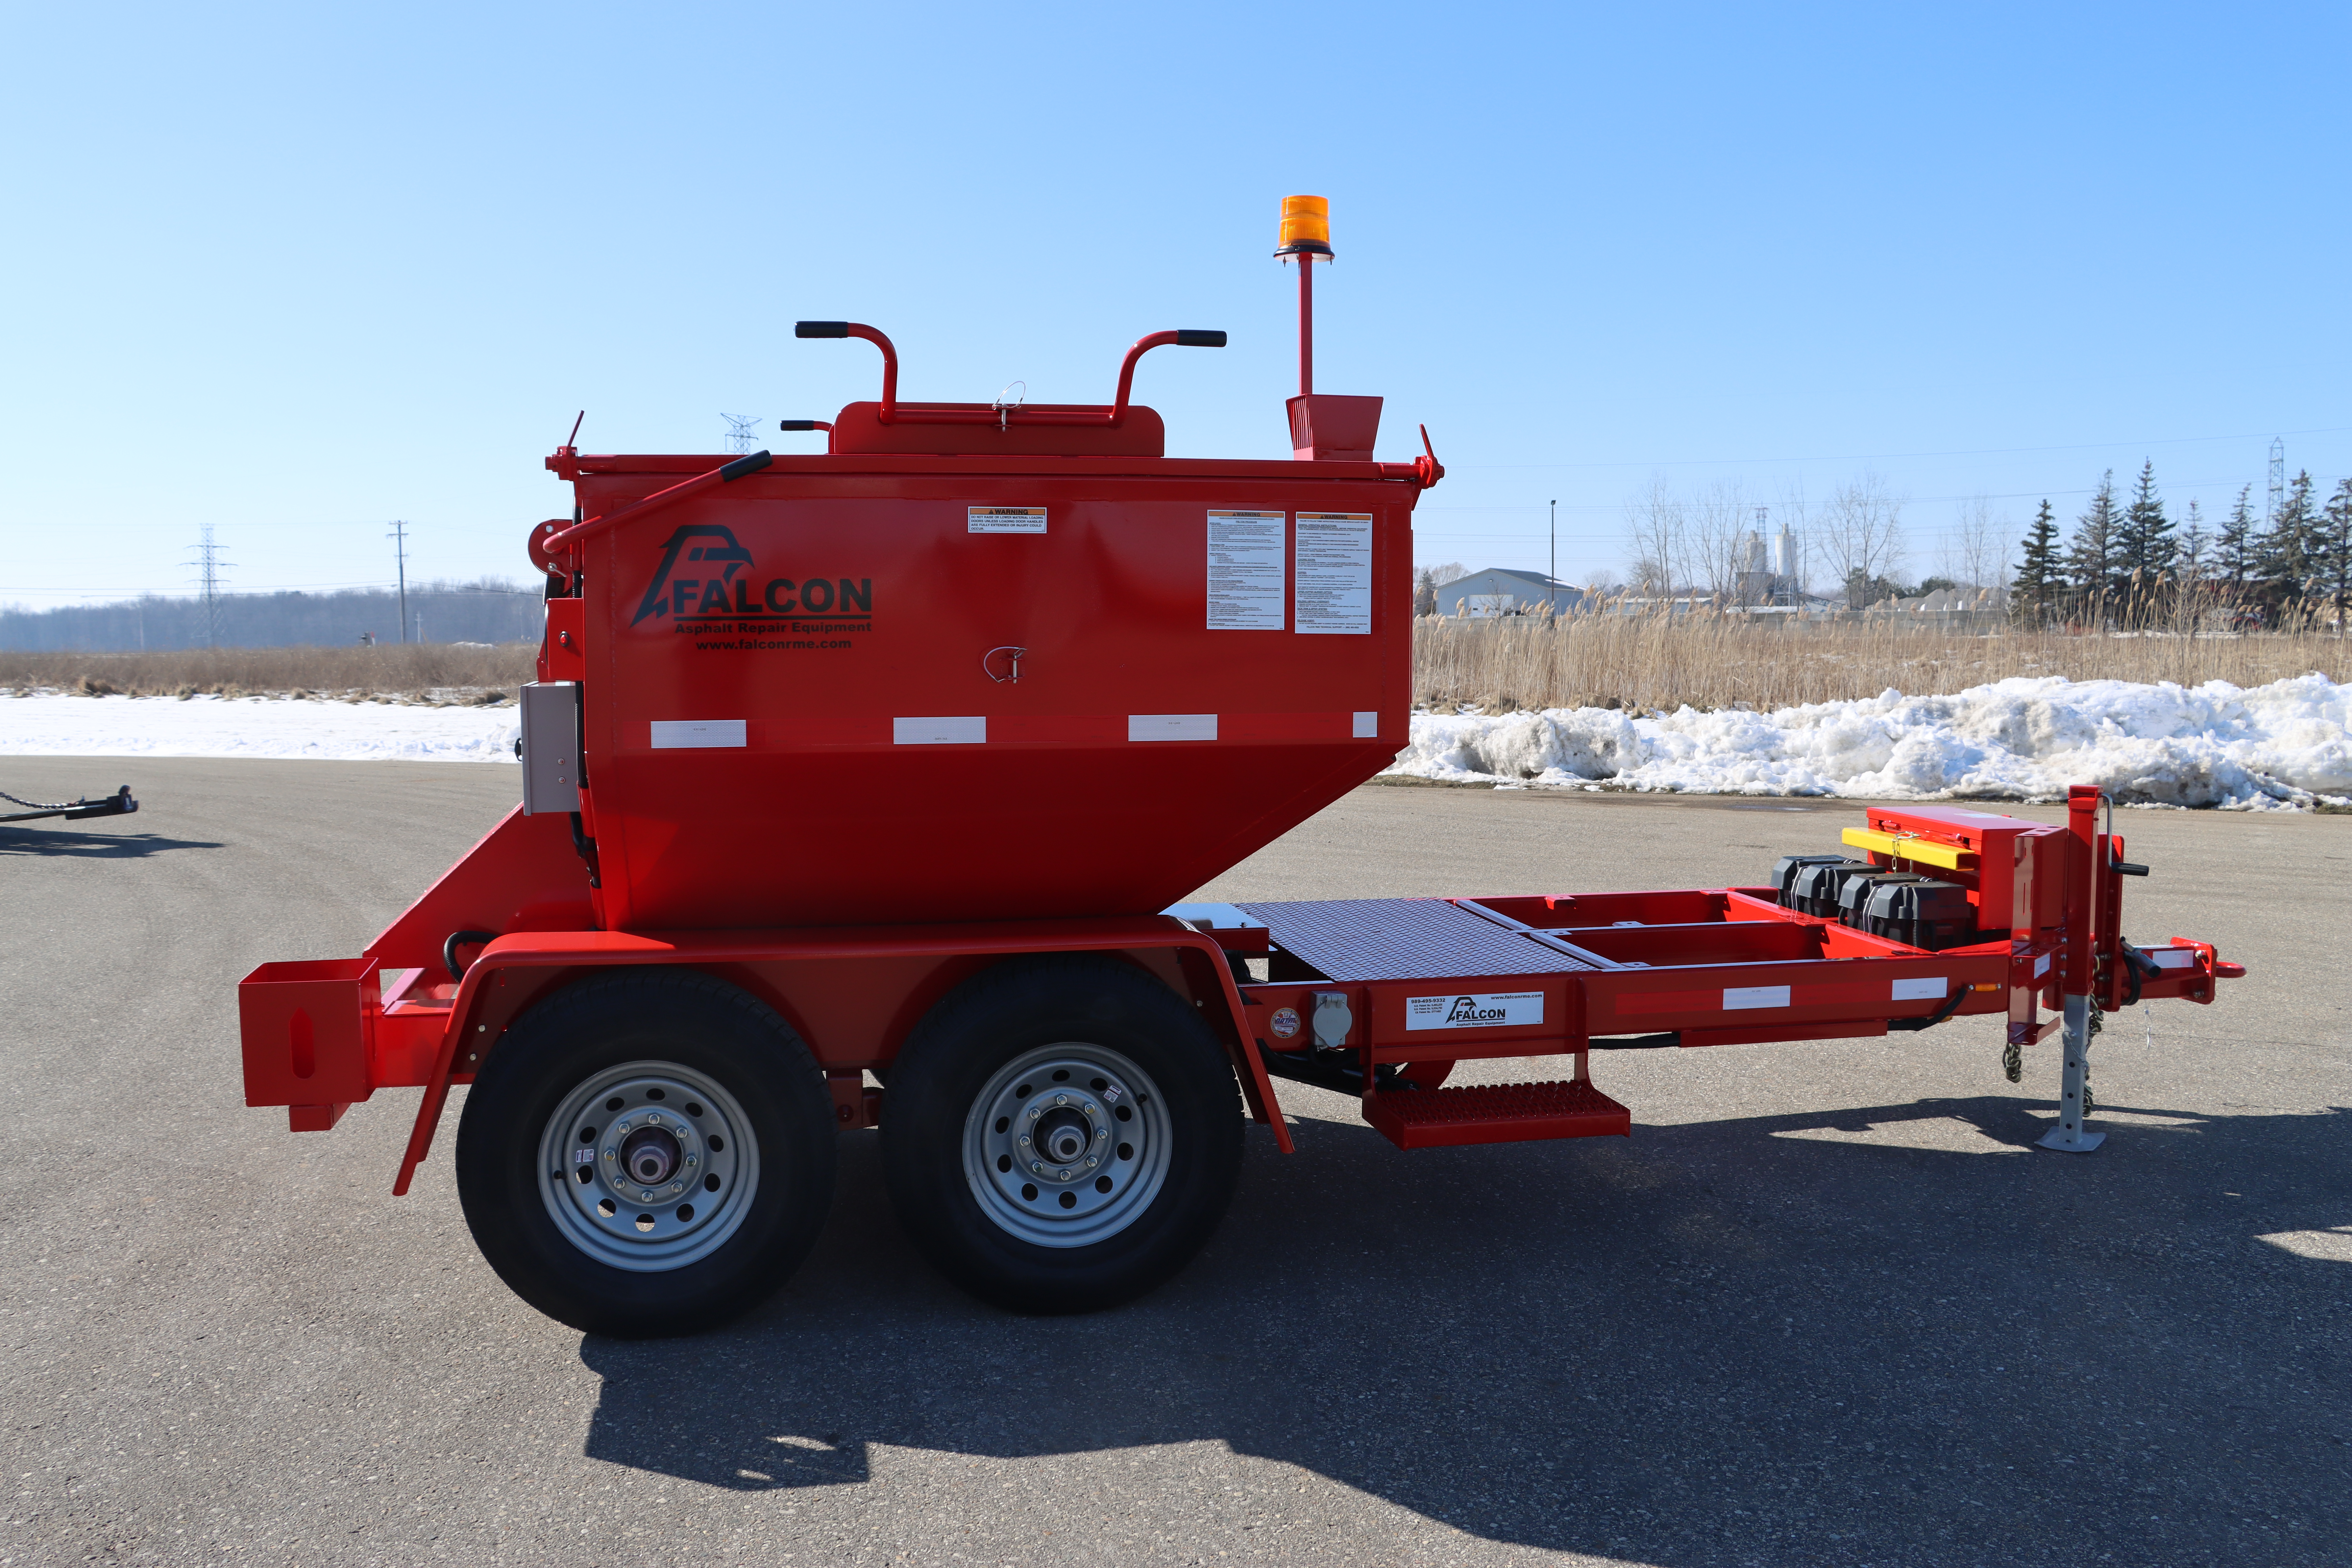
411	672
1708	660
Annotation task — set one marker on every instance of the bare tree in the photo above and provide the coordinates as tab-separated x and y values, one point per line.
1861	534
1722	517
1976	551
1659	532
1447	572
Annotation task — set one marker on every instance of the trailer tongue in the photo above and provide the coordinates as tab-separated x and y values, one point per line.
890	761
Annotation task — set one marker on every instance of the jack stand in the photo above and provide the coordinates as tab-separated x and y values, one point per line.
2068	1135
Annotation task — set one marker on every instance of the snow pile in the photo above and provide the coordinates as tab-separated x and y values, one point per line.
2283	744
58	726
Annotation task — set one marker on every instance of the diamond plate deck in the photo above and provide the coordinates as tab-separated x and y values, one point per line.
1404	939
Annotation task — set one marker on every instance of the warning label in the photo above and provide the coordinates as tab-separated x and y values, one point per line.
1245	571
1004	520
1335	572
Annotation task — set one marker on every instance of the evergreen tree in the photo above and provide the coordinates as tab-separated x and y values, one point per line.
2040	575
2286	566
2196	545
2335	535
2236	546
2091	560
2144	541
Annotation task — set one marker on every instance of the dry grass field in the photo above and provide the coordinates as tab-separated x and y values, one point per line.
413	671
1717	661
1626	661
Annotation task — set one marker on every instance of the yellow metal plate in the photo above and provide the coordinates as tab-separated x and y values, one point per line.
1920	851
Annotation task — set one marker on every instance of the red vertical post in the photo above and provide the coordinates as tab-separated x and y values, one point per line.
1306	323
2082	886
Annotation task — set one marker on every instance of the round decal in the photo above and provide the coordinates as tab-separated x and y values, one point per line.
1285	1023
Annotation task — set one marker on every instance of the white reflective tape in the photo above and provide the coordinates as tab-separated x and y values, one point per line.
688	734
2041	966
970	731
2173	957
1171	726
1932	989
1368	727
1737	996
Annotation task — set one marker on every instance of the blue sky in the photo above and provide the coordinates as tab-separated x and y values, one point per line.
299	271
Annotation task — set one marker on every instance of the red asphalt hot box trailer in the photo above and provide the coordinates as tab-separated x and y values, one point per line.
891	761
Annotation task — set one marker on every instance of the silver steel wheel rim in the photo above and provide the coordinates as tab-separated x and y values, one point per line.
1022	1145
639	1111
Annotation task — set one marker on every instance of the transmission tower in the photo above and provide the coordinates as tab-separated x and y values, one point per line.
2278	477
399	537
742	438
209	566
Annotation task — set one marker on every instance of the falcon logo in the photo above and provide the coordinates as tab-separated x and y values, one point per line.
712	554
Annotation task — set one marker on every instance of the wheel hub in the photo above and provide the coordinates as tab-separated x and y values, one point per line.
1067	1145
649	1155
649	1166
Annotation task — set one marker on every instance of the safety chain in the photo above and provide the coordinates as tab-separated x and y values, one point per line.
38	805
2013	1060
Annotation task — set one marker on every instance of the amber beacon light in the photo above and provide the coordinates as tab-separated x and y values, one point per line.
1306	226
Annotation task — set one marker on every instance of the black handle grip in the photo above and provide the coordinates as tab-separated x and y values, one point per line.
741	466
820	328
796	425
1194	338
2125	867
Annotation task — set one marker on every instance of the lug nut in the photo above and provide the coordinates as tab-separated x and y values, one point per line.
1025	1140
1093	1163
1062	1175
1061	1100
1037	1167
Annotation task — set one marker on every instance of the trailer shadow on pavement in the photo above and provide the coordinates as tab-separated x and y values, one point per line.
59	842
1897	1333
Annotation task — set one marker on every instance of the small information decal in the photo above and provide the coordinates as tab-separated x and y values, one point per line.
1931	989
1487	1010
1246	570
1335	572
692	734
1004	520
1737	996
1171	726
1367	727
967	729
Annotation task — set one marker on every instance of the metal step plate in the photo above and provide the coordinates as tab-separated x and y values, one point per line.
1496	1113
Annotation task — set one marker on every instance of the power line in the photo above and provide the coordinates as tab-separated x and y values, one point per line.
1890	457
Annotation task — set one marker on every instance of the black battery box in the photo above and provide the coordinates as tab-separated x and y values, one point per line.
1818	888
1785	870
1933	915
1854	900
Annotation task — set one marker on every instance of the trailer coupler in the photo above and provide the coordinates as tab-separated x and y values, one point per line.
119	804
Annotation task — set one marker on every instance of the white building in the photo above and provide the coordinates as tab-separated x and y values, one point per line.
1498	591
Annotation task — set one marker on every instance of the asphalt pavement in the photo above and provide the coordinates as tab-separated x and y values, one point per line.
1826	1306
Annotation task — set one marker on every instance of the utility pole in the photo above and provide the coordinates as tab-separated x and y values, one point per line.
2278	477
399	537
1551	581
743	435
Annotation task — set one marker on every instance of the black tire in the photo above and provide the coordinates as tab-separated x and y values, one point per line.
1053	1010
635	1033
